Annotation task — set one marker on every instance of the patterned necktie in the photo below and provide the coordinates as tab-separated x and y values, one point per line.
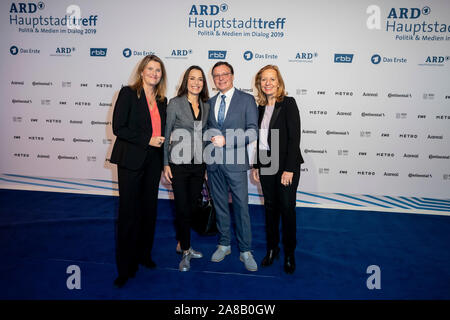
221	114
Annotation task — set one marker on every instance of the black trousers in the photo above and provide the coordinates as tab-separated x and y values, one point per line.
280	202
187	182
138	199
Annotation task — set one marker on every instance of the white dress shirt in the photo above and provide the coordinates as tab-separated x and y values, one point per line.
228	95
264	131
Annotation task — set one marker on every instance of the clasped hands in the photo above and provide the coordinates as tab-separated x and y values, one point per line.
218	141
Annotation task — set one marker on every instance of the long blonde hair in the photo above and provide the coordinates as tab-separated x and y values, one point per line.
160	90
261	97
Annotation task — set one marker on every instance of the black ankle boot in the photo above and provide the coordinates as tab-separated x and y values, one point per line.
289	263
270	257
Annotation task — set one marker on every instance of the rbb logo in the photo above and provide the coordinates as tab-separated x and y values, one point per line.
22	7
204	10
181	53
343	58
98	52
63	50
217	54
408	13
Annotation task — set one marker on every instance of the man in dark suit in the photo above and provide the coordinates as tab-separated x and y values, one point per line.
233	124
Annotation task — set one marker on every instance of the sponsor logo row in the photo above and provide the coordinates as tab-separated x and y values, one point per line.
62	157
54	121
375	154
383	174
247	55
59	139
375	115
301	92
371	94
62	84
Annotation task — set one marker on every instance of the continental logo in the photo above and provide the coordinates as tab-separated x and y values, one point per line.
339	133
105	123
420	175
82	140
315	151
435	156
64	157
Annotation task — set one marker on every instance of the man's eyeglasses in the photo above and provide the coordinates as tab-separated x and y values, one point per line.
217	76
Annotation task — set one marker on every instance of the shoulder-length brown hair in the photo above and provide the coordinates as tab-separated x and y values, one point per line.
160	90
183	90
261	97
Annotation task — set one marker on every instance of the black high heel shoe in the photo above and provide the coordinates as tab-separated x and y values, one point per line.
289	263
270	257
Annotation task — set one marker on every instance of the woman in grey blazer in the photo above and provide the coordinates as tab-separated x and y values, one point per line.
187	115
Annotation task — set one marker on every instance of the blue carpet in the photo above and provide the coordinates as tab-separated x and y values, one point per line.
42	233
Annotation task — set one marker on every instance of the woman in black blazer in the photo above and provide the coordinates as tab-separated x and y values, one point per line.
187	112
280	113
138	123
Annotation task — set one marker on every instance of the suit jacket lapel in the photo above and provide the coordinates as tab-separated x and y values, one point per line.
275	114
212	109
186	108
143	105
202	108
262	109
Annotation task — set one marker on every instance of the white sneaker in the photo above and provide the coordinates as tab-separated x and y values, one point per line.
185	263
220	253
195	254
250	263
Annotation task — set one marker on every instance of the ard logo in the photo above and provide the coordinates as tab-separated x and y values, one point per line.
22	7
407	13
207	10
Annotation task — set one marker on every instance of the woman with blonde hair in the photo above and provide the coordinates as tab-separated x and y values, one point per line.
138	123
278	112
